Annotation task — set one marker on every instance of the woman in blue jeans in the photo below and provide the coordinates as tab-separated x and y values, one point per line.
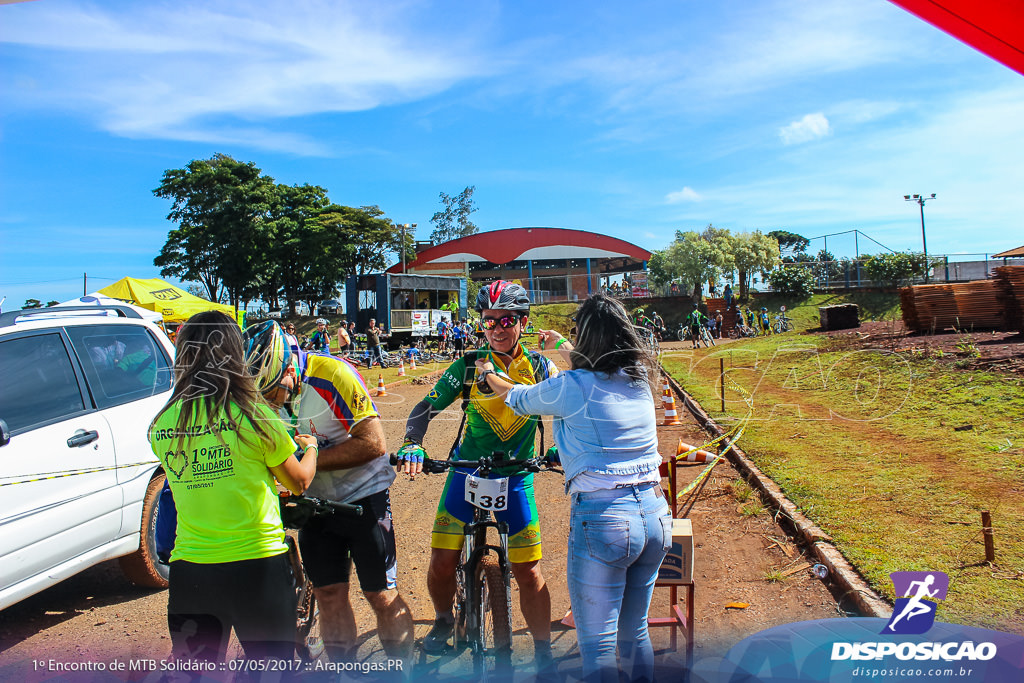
606	430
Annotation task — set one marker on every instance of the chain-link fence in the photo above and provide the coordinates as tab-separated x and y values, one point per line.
828	275
851	273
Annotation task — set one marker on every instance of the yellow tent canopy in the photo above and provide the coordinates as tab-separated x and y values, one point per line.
176	305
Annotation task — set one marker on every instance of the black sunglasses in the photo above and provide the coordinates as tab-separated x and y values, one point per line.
506	321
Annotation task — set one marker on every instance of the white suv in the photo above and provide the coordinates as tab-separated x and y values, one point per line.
78	481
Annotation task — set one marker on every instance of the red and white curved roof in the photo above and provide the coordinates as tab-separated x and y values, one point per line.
520	244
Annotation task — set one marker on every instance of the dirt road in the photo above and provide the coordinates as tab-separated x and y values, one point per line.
98	616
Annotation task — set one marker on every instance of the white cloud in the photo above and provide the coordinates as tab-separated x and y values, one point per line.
810	127
687	194
210	72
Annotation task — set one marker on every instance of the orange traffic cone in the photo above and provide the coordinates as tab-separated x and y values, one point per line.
664	384
665	393
671	417
697	454
412	362
401	367
381	391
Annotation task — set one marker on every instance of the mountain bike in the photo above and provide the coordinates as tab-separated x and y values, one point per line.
649	338
741	330
782	323
483	578
296	511
705	336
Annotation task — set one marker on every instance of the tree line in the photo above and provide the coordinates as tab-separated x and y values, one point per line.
779	256
245	237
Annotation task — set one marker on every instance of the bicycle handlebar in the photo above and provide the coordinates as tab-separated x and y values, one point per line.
485	464
320	506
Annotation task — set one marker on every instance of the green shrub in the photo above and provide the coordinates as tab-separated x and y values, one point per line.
797	281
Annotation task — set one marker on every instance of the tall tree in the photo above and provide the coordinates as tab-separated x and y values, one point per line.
790	241
378	238
453	221
222	207
300	251
753	251
693	258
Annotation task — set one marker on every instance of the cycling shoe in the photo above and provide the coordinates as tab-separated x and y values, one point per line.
436	642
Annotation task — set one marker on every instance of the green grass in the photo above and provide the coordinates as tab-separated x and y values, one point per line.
864	442
553	317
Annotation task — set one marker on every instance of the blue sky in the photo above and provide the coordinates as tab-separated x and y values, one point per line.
629	119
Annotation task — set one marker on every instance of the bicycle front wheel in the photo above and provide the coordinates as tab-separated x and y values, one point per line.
493	615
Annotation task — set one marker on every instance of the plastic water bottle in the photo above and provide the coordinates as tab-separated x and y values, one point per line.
821	571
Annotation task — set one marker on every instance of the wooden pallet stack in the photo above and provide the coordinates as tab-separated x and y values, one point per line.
976	305
1011	285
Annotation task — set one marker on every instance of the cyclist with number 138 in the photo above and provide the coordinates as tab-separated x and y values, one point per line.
490	426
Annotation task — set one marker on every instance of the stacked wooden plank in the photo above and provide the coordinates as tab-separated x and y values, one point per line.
967	306
1011	296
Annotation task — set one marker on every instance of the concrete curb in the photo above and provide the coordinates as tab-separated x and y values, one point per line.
842	572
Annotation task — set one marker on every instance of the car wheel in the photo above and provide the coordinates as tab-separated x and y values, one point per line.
142	567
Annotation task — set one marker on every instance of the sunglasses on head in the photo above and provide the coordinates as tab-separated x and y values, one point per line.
506	321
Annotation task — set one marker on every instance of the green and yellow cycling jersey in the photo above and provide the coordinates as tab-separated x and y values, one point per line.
490	424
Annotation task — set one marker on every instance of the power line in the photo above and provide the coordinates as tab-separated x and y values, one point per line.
47	282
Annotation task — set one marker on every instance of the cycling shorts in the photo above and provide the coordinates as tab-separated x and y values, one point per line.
521	516
255	597
330	544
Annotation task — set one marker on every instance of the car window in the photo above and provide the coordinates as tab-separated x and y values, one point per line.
123	363
39	381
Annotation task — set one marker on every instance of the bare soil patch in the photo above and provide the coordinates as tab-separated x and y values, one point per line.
98	616
966	350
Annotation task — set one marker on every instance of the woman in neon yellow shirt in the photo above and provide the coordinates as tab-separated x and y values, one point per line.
221	447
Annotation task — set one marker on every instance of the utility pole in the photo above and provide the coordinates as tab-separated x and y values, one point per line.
921	199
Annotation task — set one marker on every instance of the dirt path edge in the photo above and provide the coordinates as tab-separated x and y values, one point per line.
842	572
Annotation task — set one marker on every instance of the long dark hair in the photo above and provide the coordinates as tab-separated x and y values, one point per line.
210	374
608	342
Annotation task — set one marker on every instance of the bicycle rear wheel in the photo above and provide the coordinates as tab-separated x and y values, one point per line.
494	655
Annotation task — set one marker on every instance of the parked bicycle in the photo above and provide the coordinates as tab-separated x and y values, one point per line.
483	578
296	512
741	330
706	337
782	323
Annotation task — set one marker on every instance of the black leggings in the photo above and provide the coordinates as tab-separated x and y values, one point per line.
255	597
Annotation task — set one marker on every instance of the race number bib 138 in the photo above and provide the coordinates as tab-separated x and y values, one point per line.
487	494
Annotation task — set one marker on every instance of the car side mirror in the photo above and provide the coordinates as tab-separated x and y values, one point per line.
5	434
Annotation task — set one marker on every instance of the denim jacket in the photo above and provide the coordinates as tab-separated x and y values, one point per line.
603	423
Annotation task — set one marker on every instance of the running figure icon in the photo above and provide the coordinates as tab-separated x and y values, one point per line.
917	593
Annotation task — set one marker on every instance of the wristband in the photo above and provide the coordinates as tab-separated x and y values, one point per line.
559	343
312	445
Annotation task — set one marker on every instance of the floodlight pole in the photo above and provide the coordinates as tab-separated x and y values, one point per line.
405	226
921	199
